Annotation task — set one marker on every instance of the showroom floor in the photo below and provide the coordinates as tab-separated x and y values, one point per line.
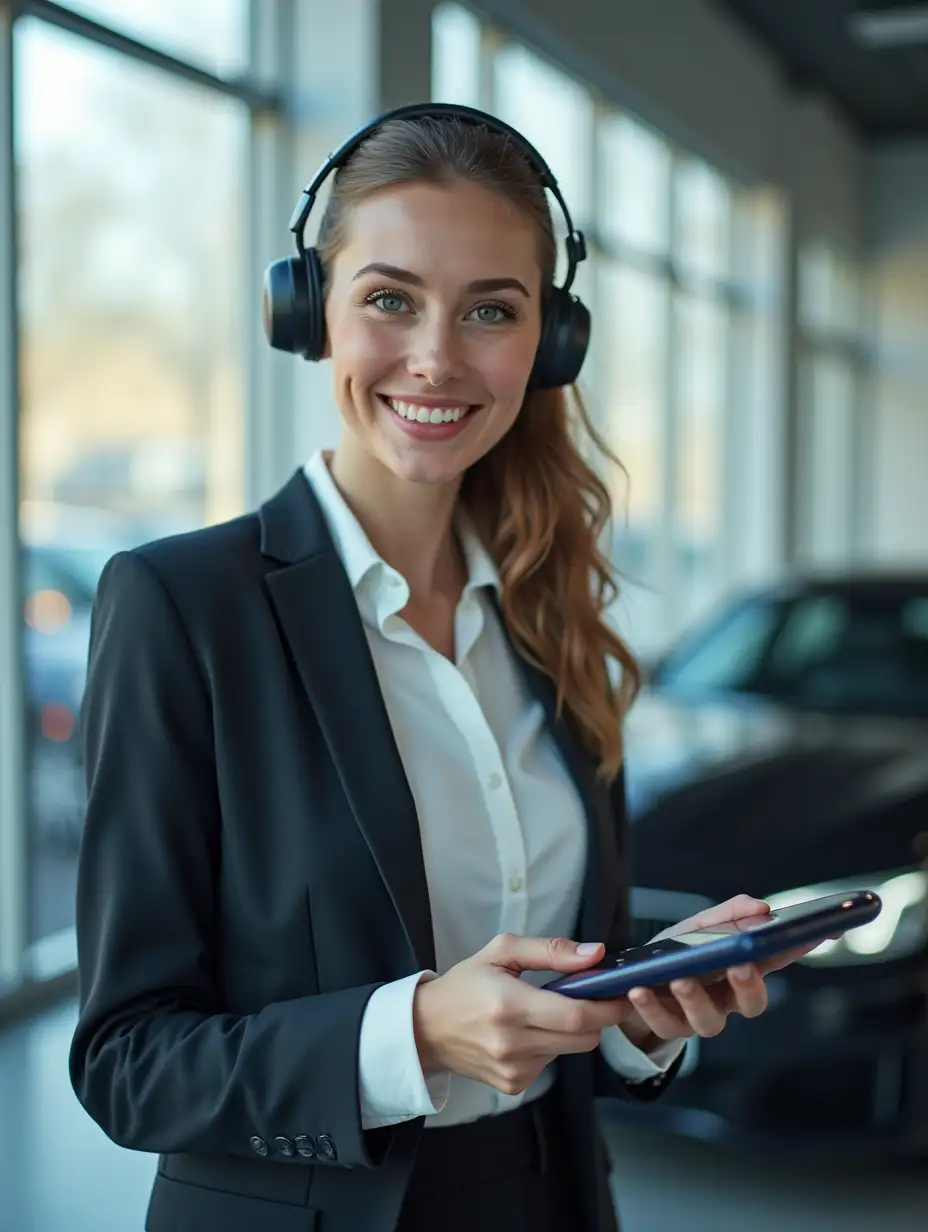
59	1174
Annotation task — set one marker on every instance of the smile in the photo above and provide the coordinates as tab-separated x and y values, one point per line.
427	414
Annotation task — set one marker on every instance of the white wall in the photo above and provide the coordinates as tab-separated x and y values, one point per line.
899	396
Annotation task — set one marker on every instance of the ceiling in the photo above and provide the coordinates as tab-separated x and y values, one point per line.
883	92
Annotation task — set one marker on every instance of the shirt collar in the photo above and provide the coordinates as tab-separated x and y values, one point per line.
481	567
358	554
351	543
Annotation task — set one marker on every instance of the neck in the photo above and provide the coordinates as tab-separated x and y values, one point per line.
409	525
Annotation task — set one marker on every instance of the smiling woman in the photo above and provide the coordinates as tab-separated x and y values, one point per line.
366	747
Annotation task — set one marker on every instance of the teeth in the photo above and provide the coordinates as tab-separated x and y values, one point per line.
424	414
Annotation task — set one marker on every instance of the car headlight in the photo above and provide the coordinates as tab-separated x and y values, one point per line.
900	929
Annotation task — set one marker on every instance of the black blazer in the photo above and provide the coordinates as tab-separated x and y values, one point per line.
251	870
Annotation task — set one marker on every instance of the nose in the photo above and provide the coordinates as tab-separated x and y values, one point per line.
435	355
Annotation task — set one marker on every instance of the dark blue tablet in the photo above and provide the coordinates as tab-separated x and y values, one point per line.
709	951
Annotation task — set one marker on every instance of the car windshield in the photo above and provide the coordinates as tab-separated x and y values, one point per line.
859	652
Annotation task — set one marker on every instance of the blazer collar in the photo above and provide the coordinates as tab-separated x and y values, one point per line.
293	527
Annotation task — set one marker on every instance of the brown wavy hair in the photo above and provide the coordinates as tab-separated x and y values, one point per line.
536	503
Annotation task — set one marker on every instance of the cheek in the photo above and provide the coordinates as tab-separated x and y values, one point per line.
506	369
360	352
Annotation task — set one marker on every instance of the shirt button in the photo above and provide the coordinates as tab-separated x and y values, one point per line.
515	883
495	780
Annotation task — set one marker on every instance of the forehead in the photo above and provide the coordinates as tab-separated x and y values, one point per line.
459	230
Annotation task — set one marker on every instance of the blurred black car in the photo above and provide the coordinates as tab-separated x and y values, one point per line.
782	750
64	550
59	584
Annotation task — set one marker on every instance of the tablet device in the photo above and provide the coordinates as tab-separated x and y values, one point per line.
706	952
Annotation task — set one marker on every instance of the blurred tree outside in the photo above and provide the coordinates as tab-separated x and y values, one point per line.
131	249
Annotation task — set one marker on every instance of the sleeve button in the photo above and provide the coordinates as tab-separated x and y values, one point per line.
326	1148
259	1146
305	1146
284	1146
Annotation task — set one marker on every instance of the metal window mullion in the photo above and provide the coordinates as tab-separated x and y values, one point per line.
735	440
269	198
864	444
595	382
668	557
492	42
14	904
63	18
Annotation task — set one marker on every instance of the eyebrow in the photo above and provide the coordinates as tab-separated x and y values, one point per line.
481	285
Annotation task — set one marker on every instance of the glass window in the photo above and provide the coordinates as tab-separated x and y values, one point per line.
703	218
630	338
555	113
699	479
211	33
456	61
633	190
133	310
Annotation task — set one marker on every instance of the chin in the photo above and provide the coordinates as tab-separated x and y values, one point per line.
433	472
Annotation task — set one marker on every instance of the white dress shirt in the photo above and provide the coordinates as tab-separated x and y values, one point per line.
502	825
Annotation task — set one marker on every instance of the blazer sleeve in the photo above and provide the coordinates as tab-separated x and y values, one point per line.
608	1081
155	1059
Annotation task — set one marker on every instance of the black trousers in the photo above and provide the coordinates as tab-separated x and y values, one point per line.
507	1173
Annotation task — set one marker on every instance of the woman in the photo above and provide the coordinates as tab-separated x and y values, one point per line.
354	765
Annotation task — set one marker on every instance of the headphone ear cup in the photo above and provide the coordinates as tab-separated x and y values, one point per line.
565	339
315	306
292	305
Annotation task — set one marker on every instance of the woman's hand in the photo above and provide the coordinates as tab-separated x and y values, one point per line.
688	1007
480	1020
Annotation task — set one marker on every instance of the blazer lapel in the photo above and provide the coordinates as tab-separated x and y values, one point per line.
595	918
319	618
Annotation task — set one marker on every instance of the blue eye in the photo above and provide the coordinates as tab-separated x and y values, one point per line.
493	314
388	301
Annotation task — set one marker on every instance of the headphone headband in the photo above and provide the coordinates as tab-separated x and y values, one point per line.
575	243
293	302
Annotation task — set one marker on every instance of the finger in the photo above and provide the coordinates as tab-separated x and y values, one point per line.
738	908
748	990
663	1017
779	961
517	954
554	1043
700	1010
552	1011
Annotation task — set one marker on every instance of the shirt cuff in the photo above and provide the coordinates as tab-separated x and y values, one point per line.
630	1063
392	1085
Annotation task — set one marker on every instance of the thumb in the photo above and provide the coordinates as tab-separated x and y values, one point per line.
518	954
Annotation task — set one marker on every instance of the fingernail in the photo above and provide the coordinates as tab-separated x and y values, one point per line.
685	986
741	973
587	947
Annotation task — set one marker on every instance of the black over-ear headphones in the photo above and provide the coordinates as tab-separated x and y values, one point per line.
293	307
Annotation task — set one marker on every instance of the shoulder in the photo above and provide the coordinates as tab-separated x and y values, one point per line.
214	567
201	556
